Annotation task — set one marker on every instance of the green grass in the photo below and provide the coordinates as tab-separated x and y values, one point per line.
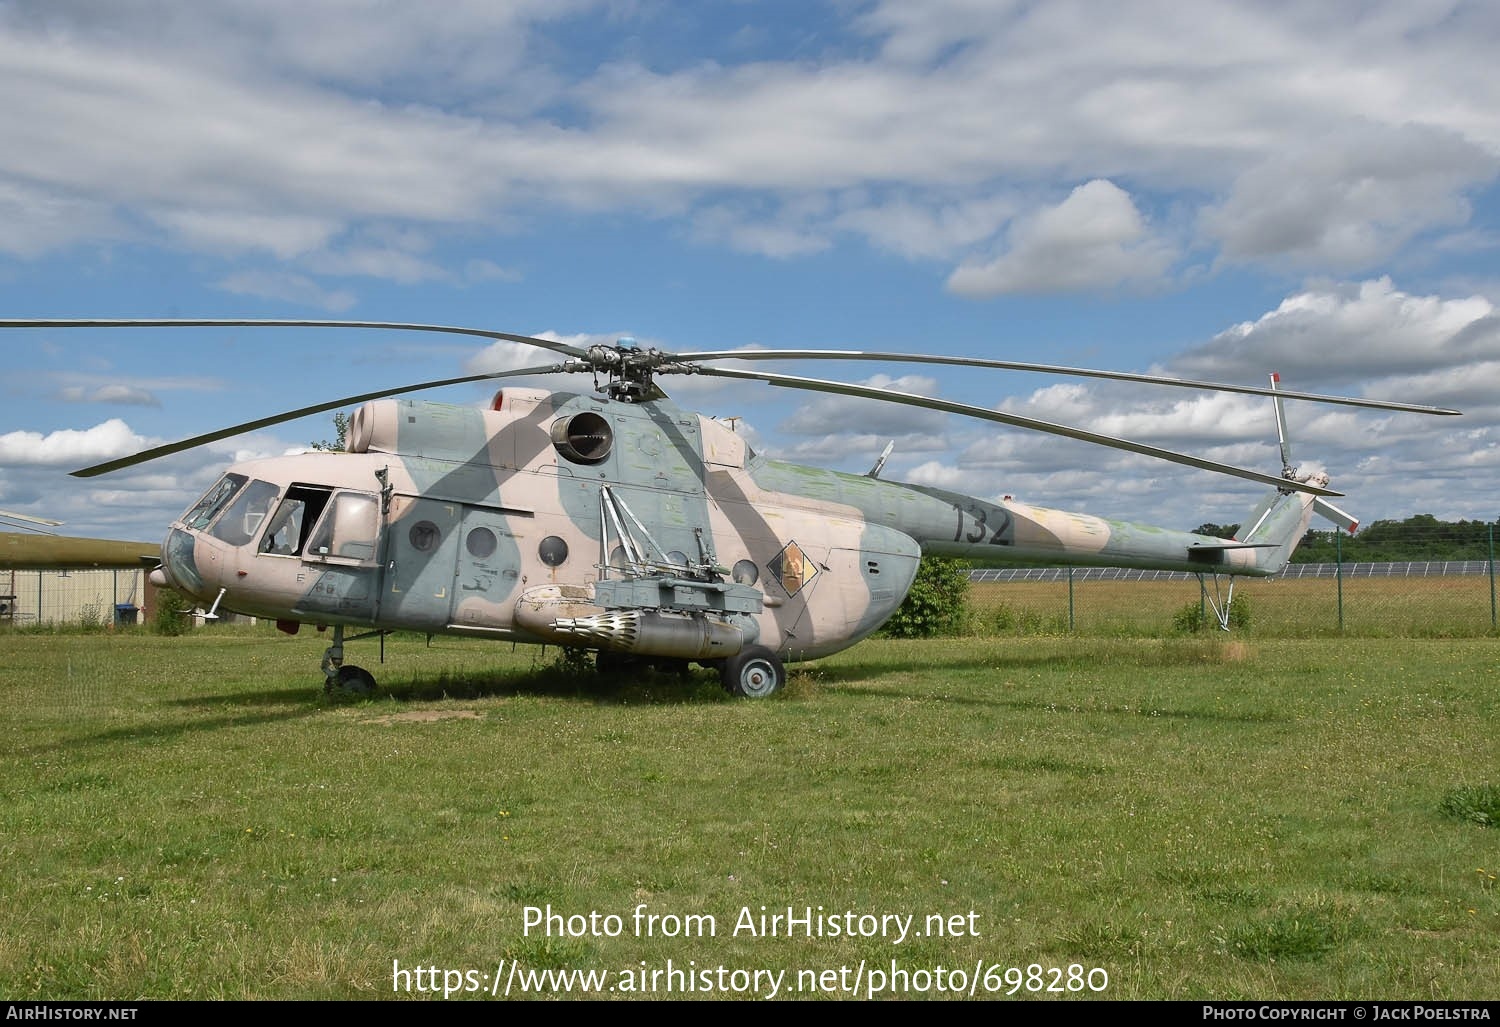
1200	818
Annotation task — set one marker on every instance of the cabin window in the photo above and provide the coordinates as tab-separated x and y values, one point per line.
286	534
746	573
241	522
213	501
481	543
553	551
424	536
349	529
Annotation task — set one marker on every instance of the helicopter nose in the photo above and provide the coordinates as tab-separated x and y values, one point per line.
177	564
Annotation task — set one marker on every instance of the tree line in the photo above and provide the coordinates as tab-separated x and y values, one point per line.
1418	537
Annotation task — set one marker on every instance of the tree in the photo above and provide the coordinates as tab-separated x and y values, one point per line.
937	603
341	427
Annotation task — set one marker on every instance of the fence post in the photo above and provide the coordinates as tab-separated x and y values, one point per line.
1338	573
1492	577
1070	598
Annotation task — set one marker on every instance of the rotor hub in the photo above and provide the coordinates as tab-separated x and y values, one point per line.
631	371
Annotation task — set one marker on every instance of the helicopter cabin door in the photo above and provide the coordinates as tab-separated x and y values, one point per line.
489	566
421	555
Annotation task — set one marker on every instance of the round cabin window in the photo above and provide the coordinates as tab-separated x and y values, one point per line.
553	551
481	543
424	536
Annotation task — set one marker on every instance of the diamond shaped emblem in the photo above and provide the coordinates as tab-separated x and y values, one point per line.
792	568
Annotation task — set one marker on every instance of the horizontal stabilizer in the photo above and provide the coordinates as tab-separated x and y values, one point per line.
1233	545
1335	515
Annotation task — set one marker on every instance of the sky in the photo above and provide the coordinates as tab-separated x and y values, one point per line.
1213	191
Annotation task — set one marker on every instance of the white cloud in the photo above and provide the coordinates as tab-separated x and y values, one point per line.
300	146
38	220
233	232
1358	338
1352	331
489	271
117	393
926	226
1351	199
1206	418
386	263
744	233
857	450
939	475
69	447
1094	239
870	416
1325	135
503	355
287	287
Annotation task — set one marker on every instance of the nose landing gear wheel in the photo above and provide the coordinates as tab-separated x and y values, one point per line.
753	673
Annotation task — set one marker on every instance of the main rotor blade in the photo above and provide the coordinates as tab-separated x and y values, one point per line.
215	322
1081	372
292	415
818	385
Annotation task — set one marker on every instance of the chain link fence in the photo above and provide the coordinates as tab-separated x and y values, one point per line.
87	598
1435	599
1431	599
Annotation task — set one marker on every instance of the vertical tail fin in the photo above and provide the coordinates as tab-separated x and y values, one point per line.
1279	523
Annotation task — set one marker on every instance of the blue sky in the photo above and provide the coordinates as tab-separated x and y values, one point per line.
1212	191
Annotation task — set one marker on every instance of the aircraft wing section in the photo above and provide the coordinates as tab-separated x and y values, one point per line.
20	552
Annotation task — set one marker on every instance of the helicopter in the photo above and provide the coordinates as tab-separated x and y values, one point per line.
612	519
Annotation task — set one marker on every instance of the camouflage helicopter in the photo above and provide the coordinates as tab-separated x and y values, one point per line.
613	520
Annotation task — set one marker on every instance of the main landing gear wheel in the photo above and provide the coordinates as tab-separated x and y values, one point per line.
351	680
611	664
754	673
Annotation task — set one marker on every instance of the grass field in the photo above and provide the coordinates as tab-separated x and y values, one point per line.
1193	818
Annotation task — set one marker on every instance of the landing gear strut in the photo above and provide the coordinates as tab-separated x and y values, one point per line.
339	679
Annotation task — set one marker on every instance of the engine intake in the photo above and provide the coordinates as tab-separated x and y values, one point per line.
584	438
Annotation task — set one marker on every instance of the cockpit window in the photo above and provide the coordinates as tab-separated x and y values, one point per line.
214	500
240	523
